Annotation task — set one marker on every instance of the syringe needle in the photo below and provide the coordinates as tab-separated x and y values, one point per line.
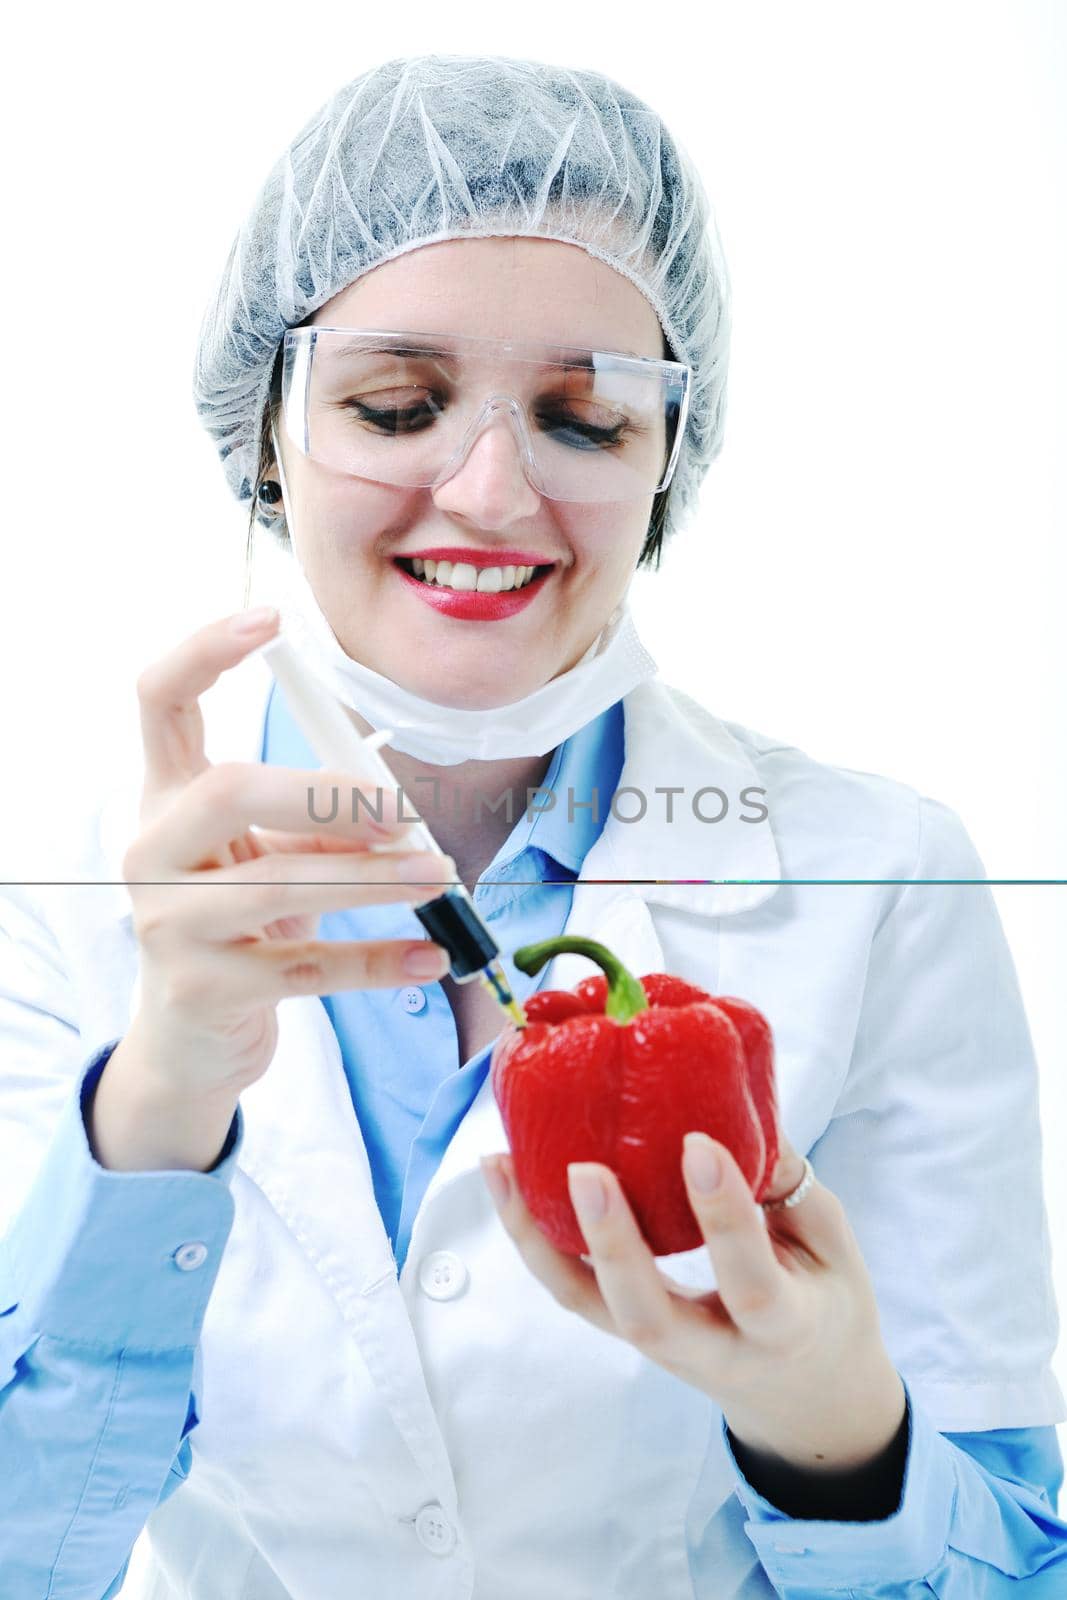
494	977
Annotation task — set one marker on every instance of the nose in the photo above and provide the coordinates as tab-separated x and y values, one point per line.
489	487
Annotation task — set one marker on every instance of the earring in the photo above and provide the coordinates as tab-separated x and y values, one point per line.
270	492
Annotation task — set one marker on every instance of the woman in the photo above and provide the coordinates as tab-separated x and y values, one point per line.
255	1293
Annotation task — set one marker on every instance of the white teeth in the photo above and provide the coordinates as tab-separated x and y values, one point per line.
466	577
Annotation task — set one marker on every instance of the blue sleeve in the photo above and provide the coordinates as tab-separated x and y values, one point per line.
105	1277
976	1521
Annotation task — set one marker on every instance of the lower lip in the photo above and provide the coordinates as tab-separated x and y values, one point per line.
470	606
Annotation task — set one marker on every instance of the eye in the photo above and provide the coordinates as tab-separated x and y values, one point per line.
582	435
394	419
415	409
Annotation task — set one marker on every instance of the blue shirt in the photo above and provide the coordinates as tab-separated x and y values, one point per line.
400	1049
103	1295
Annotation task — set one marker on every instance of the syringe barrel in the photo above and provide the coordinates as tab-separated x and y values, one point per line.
453	922
451	919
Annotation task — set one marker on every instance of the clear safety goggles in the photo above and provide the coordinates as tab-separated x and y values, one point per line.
405	409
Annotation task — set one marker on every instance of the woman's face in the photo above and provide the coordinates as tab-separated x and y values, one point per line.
347	531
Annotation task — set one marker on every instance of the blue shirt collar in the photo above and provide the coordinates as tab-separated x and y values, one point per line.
582	777
584	769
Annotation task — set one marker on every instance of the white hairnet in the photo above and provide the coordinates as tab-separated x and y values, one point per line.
439	147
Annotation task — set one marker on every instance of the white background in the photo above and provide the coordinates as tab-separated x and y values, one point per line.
878	569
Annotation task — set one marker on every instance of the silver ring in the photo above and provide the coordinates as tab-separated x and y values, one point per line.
794	1196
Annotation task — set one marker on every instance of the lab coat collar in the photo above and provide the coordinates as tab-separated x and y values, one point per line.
673	742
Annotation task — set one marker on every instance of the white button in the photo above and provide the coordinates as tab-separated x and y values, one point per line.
442	1275
434	1530
414	1000
190	1256
791	1549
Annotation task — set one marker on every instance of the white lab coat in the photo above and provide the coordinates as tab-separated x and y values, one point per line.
460	1434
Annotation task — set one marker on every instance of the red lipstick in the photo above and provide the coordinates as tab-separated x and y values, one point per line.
468	605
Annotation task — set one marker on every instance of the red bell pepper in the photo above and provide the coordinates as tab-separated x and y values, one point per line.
618	1070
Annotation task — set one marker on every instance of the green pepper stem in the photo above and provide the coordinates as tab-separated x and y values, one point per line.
625	997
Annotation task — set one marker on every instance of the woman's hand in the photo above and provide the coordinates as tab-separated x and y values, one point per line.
228	877
788	1345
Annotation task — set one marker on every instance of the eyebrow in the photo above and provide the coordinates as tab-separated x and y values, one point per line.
405	347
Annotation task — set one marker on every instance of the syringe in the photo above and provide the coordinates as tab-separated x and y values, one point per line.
451	919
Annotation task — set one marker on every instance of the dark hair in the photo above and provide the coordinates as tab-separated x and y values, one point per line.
651	550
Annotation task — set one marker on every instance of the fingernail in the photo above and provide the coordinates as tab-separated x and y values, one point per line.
702	1165
497	1181
588	1195
252	621
427	961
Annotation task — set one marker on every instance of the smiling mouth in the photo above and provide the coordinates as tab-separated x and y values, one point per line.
464	578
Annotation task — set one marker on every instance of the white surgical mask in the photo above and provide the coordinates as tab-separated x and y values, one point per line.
614	664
